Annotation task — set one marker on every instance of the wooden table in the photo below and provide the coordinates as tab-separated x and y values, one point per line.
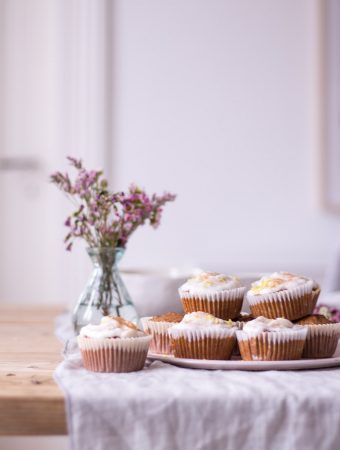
30	401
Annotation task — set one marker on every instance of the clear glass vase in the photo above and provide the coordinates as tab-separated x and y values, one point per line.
105	293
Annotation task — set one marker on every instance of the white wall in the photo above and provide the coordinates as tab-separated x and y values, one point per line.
53	89
219	102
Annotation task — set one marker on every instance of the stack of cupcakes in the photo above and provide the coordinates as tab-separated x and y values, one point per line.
280	327
283	304
211	301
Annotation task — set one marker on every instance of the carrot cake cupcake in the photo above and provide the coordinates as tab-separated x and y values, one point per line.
157	327
115	345
201	335
214	293
265	339
322	337
282	294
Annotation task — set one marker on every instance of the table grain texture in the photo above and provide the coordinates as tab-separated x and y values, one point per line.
31	403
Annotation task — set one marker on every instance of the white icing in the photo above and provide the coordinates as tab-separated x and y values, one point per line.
279	281
201	319
209	282
262	324
109	327
291	276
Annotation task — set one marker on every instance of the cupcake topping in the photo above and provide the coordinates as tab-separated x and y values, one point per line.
314	319
210	282
278	281
262	324
201	319
112	327
168	317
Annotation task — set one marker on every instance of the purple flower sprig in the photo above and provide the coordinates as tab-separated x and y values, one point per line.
103	218
329	312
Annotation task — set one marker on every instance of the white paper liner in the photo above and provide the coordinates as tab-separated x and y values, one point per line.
327	329
161	341
321	340
201	333
276	336
229	294
128	344
283	296
151	326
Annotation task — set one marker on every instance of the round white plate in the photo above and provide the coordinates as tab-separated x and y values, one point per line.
237	364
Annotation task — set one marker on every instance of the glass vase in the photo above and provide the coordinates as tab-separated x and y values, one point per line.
105	293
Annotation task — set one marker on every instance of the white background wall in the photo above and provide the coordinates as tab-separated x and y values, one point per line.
220	102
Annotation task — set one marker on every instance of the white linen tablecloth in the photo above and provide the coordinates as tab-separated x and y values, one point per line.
164	407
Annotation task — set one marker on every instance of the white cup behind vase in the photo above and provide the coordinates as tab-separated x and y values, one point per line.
155	292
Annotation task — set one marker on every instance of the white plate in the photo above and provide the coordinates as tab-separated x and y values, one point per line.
237	364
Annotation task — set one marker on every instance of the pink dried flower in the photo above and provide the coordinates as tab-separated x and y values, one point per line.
103	218
329	312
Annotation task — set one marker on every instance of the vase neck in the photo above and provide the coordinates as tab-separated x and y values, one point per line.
105	257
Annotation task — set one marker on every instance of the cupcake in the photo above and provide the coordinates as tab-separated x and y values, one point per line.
322	336
265	339
115	345
157	327
214	293
282	294
201	335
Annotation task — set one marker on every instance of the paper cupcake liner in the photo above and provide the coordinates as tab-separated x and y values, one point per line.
224	305
206	348
291	304
161	342
321	341
275	346
114	355
316	294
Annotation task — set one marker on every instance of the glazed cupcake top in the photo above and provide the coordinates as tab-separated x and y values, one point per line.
290	276
262	325
201	319
112	327
278	281
208	282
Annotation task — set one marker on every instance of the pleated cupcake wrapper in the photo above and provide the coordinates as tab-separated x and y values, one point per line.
114	355
321	341
196	334
230	294
272	346
316	294
224	305
205	347
161	342
291	304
